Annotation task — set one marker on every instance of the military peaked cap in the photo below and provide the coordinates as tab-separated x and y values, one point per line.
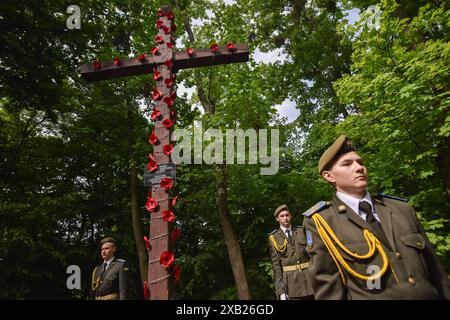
279	209
340	146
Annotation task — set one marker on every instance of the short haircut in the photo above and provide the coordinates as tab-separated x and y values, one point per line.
107	239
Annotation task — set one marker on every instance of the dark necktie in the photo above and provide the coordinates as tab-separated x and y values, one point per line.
374	224
105	265
289	237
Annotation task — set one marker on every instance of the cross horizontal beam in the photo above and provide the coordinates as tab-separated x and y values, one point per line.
132	67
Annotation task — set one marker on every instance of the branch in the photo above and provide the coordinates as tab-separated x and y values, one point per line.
207	104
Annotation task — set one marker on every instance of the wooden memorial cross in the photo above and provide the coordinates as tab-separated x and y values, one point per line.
163	61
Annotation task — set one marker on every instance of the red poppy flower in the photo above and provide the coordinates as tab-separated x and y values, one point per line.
173	27
176	273
152	165
117	61
169	45
169	101
141	57
159	39
154	51
169	64
168	82
153	139
145	290
173	95
170	16
166	30
97	65
174	235
147	243
231	47
166	183
156	75
156	94
173	114
155	114
167	123
174	201
167	258
168	216
151	204
159	13
168	149
214	48
159	24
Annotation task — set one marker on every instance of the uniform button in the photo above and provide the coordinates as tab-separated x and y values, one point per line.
398	255
419	243
412	281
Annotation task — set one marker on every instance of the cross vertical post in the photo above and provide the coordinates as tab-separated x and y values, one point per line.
159	281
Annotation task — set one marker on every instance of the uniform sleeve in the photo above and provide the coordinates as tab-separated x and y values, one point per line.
325	278
124	285
277	271
438	274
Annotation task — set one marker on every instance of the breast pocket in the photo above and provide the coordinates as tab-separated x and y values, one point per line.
111	276
414	240
413	252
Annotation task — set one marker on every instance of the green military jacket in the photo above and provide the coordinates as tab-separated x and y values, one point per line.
294	283
113	284
414	270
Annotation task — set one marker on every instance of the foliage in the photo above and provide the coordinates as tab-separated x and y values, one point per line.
64	144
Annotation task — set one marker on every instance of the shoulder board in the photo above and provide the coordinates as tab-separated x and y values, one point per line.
273	232
315	208
383	195
121	260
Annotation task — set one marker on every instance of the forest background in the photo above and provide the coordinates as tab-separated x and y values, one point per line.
72	154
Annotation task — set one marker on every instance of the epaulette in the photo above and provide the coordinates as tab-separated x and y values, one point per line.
316	208
383	195
272	232
121	260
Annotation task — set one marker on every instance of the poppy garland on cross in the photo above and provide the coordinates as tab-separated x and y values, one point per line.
163	115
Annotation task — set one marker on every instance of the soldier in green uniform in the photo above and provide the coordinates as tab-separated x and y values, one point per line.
110	280
365	246
290	261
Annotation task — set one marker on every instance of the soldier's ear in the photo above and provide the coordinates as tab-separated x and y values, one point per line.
327	175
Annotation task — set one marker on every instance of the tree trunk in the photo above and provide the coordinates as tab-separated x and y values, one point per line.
135	214
234	250
136	222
